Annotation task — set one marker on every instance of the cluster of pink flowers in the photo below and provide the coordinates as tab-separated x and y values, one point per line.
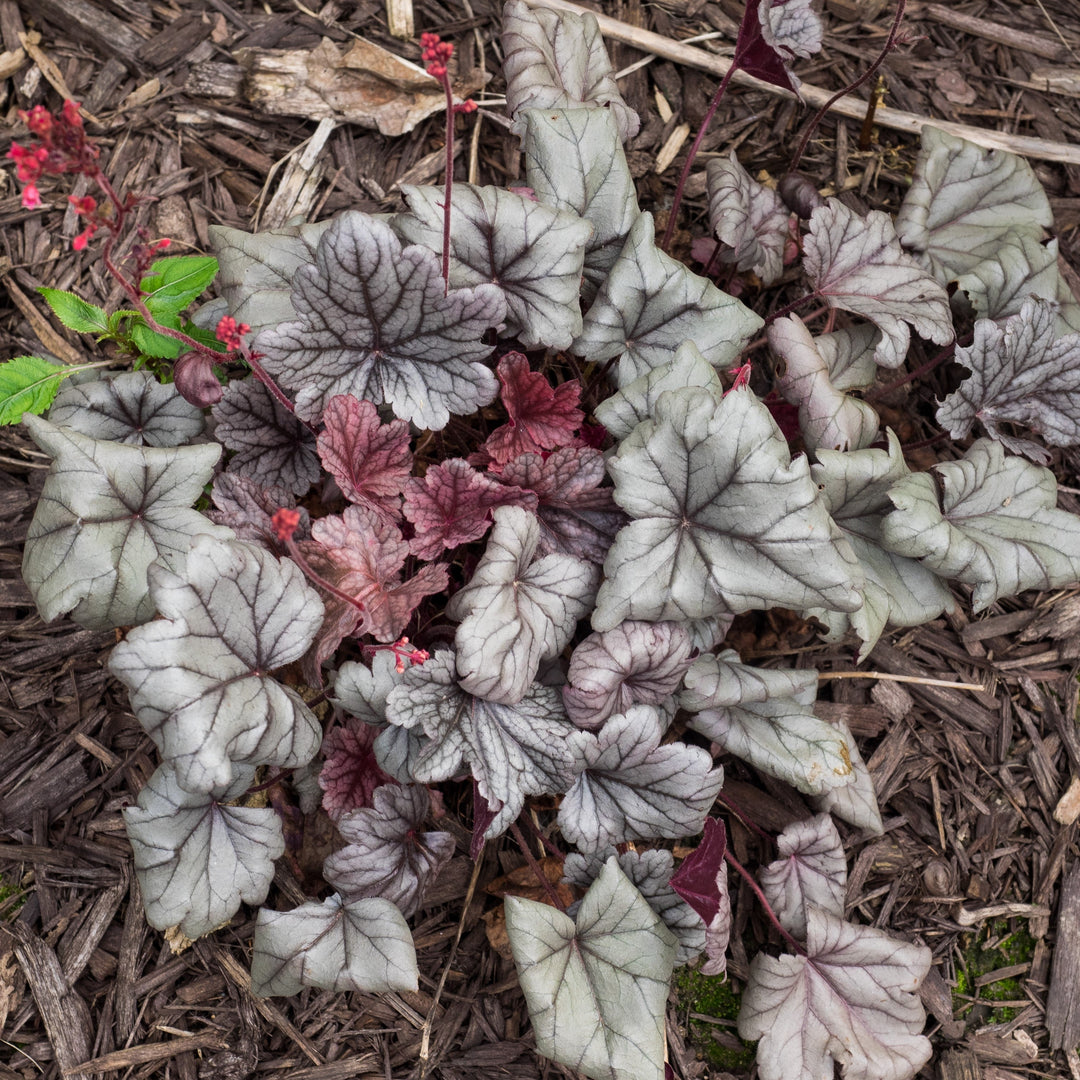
436	54
63	147
229	332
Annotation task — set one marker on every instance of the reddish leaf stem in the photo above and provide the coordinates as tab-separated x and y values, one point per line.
536	868
797	946
745	818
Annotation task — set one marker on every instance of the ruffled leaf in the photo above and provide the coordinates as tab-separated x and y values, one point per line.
350	774
362	691
374	320
596	986
1021	266
247	508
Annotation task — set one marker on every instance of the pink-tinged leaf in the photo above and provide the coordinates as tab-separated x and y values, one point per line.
542	417
696	880
851	1001
350	773
452	505
370	460
577	516
362	554
246	508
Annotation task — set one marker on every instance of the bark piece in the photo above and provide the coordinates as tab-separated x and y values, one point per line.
1063	1000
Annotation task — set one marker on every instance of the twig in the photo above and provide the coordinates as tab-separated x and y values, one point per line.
884	676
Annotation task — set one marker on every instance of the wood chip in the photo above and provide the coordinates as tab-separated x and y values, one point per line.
1063	1000
670	150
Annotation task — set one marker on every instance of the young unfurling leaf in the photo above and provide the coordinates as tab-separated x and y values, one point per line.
702	882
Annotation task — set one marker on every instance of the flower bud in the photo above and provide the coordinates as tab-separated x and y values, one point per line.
195	380
799	194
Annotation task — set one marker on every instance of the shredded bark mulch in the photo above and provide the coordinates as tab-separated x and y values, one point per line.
980	789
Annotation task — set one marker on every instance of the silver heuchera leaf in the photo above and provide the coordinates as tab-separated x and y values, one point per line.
766	717
962	201
857	264
855	488
196	858
629	787
1021	373
387	854
855	803
256	270
1021	266
270	445
851	1001
748	218
724	519
517	609
374	320
828	417
198	677
636	662
132	408
626	408
650	873
574	161
533	252
651	303
791	27
810	873
557	60
596	986
106	512
364	945
362	691
996	526
513	750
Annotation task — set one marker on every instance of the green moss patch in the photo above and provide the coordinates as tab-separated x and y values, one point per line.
994	947
712	996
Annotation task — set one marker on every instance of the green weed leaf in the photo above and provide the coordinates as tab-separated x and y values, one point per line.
76	314
174	283
28	384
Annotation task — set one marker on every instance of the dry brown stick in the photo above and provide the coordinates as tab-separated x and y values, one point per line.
149	1052
897	119
1036	44
885	676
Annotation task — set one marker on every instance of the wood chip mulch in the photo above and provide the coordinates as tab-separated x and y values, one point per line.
979	788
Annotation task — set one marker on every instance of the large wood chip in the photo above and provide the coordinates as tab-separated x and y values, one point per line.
1063	1000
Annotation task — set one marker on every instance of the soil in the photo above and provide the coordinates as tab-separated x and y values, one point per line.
979	842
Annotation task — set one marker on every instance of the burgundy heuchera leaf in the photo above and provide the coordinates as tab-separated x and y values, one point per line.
452	505
541	417
370	460
702	882
350	773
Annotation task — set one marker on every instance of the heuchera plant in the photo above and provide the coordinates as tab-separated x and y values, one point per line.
517	569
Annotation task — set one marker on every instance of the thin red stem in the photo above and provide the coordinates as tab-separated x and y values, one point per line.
298	557
745	818
695	146
820	115
788	308
449	188
538	833
797	946
535	867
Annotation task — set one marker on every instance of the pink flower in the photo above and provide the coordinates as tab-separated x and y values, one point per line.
31	199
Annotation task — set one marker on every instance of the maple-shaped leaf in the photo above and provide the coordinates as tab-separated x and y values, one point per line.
542	417
636	662
629	787
749	219
335	945
256	270
198	677
247	508
557	60
534	253
387	855
575	161
362	691
651	303
350	774
196	858
452	504
724	520
513	750
995	525
361	553
597	985
857	264
577	516
963	200
766	717
105	513
131	408
701	881
374	320
1020	267
627	407
517	609
650	873
851	1001
270	445
810	873
772	34
855	803
828	417
370	460
901	591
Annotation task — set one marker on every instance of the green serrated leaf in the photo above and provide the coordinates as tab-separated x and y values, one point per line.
28	384
174	283
75	313
156	345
